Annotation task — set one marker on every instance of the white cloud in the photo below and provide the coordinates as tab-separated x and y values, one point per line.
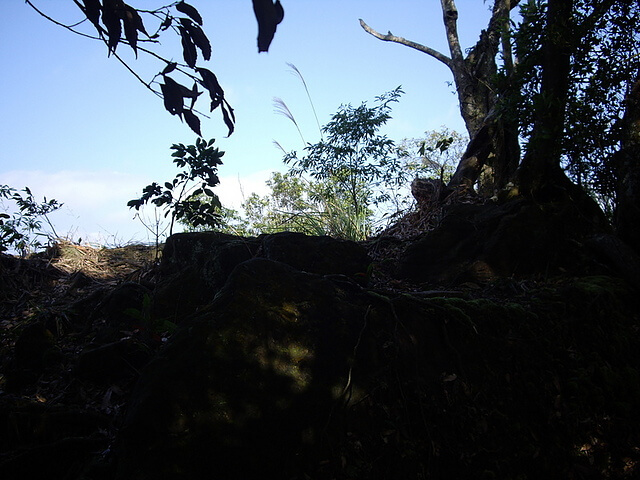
232	191
95	202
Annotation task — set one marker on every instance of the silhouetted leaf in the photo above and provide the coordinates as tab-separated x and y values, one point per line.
193	94
229	117
193	121
131	20
269	15
111	20
210	82
168	185
92	11
212	179
172	94
135	204
190	12
132	25
188	48
190	92
198	37
169	68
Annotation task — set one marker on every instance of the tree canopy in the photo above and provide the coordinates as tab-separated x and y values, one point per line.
552	80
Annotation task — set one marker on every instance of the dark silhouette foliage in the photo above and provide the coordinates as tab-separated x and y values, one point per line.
269	15
117	22
188	196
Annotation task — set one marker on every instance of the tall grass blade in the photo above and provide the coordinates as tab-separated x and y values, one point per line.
281	108
304	83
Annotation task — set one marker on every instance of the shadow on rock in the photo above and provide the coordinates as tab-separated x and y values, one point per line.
260	381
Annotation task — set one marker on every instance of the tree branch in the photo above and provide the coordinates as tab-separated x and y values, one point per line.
450	17
389	37
68	27
122	40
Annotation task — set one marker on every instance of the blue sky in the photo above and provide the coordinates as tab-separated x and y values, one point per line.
76	126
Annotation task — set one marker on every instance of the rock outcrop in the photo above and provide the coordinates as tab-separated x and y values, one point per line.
283	356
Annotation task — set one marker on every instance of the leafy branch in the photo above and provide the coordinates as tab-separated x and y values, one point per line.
17	229
194	204
117	22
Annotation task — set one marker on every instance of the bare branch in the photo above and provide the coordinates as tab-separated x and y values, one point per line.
133	72
68	27
450	16
389	37
101	38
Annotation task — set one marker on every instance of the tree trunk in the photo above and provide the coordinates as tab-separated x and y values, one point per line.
540	169
494	142
495	150
540	175
627	216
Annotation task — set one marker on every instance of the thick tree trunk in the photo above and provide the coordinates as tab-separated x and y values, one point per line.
627	217
540	169
540	175
495	150
494	143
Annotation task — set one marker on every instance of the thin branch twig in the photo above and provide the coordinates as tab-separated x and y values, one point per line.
389	37
54	21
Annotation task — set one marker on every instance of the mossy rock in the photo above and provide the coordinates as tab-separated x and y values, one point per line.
261	371
481	243
287	374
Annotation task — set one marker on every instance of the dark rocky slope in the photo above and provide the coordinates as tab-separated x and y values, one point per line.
503	344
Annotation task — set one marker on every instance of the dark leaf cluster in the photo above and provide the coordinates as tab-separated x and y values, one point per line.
268	14
189	196
113	17
117	22
605	58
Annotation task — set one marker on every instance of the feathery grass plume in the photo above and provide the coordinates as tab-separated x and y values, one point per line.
279	147
282	109
297	73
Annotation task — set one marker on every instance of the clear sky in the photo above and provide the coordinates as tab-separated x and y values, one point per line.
76	126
